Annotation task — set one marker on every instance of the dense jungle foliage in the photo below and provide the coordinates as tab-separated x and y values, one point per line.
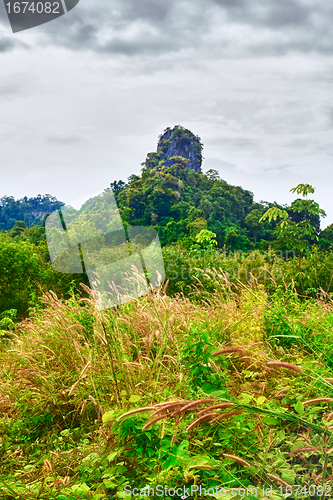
30	211
179	204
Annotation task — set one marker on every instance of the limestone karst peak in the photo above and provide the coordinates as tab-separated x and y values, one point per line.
176	145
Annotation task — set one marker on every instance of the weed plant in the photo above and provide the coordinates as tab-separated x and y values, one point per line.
270	268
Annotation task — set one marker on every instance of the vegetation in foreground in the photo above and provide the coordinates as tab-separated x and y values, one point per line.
231	390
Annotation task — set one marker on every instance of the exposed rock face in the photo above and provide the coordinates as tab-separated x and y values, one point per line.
177	145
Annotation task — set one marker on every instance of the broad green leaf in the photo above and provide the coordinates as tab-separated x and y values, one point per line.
288	475
303	189
223	493
112	456
182	448
134	398
260	400
218	394
122	494
281	434
109	483
315	409
246	398
299	444
271	421
29	467
92	458
274	213
108	417
299	407
81	488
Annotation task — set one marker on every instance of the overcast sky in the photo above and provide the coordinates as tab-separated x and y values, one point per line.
84	98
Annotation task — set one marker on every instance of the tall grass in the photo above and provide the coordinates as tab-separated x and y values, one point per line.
269	268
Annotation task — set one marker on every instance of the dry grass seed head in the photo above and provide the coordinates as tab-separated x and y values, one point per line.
198	421
200	466
192	405
317	400
282	364
329	417
305	449
237	459
137	410
225	415
153	421
228	350
279	480
215	407
167	407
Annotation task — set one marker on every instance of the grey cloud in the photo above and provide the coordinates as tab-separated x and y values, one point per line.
79	36
216	163
232	4
156	11
7	91
149	44
157	27
288	12
282	26
303	43
65	141
3	14
8	44
237	142
269	13
129	27
18	85
329	114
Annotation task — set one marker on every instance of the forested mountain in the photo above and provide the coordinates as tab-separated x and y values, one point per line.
177	199
173	196
179	202
29	210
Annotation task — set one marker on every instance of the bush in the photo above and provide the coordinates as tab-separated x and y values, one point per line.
25	275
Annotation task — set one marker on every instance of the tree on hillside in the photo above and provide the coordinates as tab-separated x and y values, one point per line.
252	220
117	186
29	210
172	198
18	228
297	235
297	213
326	237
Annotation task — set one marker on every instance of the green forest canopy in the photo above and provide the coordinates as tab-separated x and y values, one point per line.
31	211
178	203
175	201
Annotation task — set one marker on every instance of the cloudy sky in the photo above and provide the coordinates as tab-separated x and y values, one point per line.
84	98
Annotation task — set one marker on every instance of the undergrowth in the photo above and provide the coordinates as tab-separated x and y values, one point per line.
228	388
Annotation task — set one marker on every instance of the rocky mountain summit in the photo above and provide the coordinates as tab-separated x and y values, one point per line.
177	145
